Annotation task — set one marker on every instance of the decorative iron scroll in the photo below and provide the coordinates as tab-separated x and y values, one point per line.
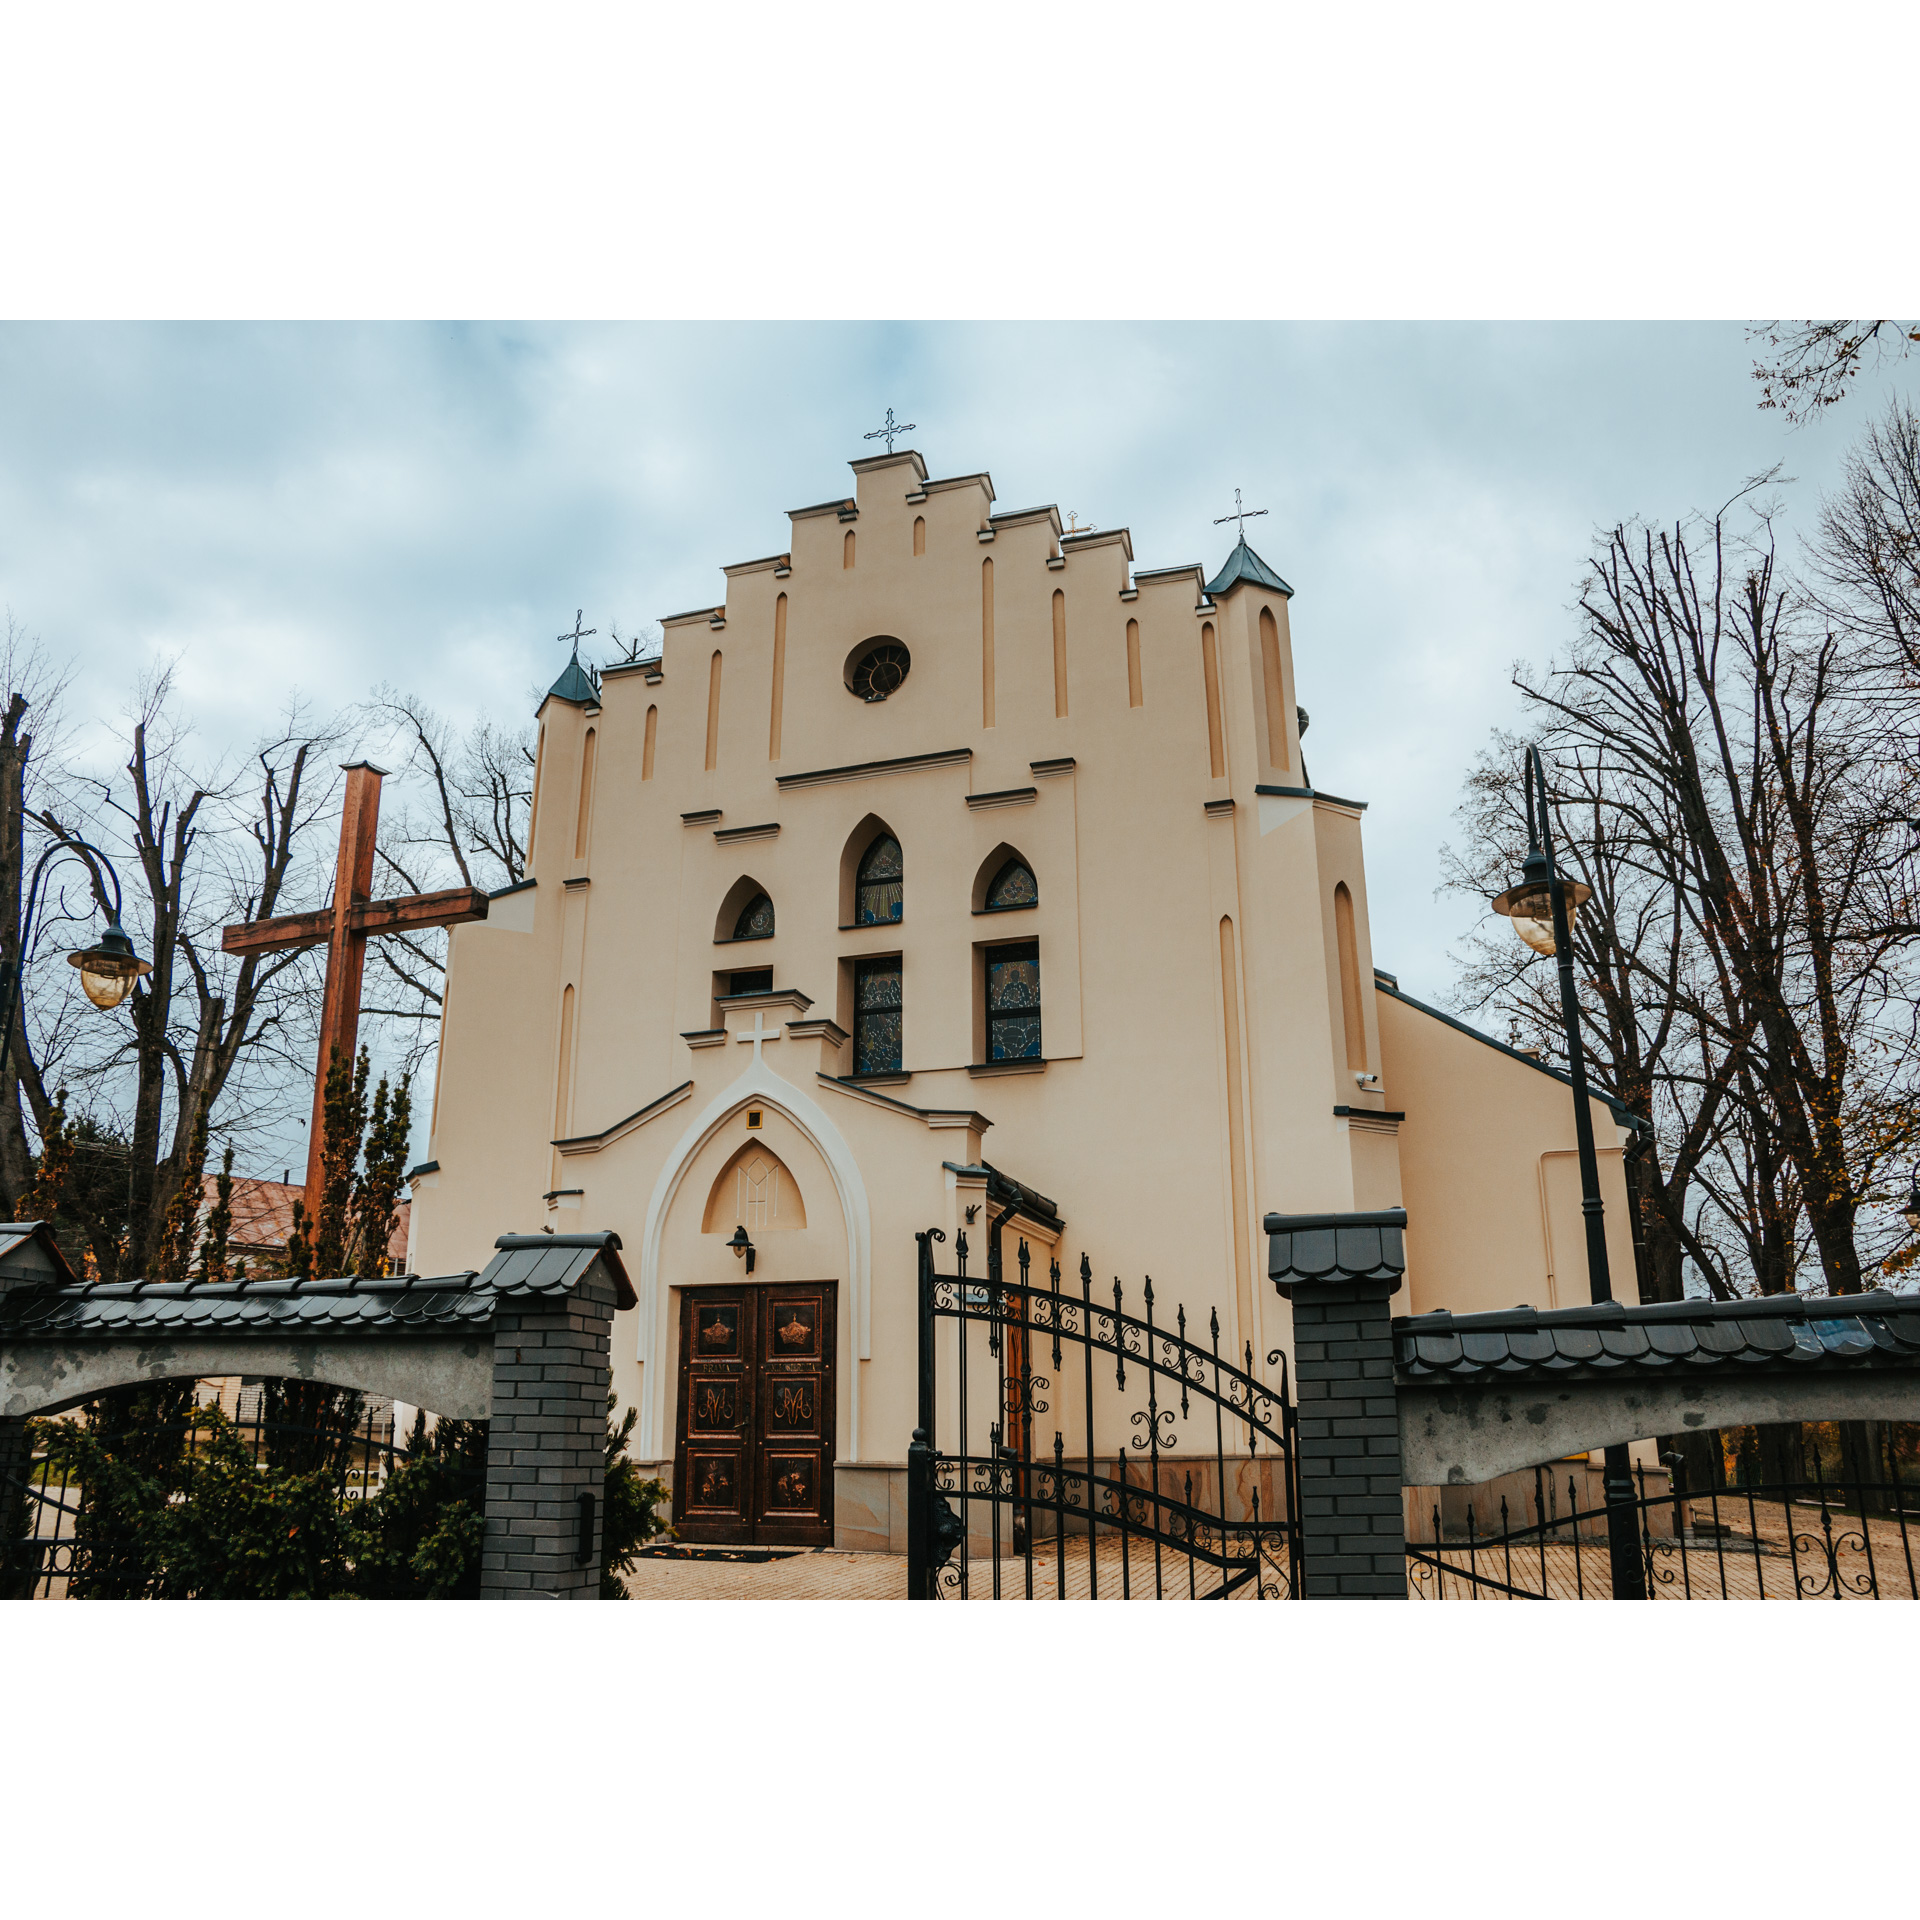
1164	1428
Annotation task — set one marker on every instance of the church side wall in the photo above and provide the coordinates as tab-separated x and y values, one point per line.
1488	1166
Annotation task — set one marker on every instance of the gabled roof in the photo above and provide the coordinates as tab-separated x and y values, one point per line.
28	1247
1244	564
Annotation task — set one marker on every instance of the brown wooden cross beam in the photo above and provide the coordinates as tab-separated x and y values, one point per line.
343	929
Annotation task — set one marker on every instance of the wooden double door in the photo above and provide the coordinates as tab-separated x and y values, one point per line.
753	1445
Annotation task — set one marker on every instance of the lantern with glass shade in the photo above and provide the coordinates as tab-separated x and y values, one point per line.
108	969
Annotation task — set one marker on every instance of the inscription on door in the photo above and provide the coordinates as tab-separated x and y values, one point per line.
753	1457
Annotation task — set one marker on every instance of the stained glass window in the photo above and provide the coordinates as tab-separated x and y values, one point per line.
1013	886
877	892
1013	1002
757	980
756	919
876	1016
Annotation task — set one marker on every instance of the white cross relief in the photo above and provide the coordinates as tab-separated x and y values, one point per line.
761	1031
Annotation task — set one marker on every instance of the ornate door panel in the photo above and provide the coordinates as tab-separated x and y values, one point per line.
753	1455
794	1417
713	1457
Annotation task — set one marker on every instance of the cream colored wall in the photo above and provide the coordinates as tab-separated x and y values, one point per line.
1488	1167
1140	853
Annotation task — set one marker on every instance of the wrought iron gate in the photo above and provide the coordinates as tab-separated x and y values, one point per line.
1009	1492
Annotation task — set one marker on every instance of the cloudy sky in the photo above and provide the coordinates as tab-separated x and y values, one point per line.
327	507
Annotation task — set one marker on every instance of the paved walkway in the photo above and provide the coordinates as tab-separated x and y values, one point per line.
825	1574
822	1574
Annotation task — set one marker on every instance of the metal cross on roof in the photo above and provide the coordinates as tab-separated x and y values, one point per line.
1241	514
1074	526
888	432
579	632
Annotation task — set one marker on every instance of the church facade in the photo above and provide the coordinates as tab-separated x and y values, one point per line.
950	849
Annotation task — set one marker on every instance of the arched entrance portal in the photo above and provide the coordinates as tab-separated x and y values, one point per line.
756	1341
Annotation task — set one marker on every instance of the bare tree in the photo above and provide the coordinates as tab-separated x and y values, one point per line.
203	1033
1725	789
1636	964
1867	557
32	686
458	817
1811	364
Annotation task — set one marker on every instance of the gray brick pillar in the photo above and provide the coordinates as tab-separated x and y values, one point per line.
555	1297
15	1462
1341	1271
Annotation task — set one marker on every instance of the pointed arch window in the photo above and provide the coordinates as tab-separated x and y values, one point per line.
1013	886
756	919
877	897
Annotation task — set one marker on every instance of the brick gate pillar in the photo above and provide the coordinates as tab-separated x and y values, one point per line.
555	1298
1341	1271
15	1463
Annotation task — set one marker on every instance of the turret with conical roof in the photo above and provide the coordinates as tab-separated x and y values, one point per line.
575	686
1244	564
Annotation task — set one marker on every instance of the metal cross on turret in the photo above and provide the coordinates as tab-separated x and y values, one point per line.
1241	514
890	430
580	633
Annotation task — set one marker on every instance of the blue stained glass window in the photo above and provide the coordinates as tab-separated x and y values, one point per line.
876	1016
1013	886
1013	1002
877	891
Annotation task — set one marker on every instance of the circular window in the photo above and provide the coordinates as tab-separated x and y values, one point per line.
877	669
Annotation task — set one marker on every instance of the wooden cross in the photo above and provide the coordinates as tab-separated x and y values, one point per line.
343	929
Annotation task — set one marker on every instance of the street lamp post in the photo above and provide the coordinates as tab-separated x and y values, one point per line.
1541	907
108	968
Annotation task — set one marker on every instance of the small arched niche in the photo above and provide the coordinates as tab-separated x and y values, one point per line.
746	913
1005	882
863	841
756	1191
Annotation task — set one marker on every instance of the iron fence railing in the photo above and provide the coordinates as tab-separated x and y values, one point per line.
1801	1534
66	1544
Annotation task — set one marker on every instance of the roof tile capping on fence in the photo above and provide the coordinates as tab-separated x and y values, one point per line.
1847	1330
523	1265
1329	1248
